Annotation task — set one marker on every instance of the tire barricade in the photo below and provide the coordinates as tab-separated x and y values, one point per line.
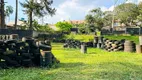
71	43
115	45
106	44
26	53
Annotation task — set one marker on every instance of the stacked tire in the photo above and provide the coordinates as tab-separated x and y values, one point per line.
25	53
70	43
46	56
109	45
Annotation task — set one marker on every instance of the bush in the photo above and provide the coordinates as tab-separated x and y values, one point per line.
64	26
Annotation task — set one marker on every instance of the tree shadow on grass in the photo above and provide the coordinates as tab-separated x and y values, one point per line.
119	71
119	65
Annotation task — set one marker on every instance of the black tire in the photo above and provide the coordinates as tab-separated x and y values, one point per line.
11	41
26	56
45	48
27	62
21	51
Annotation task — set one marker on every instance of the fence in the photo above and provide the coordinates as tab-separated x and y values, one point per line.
131	31
21	33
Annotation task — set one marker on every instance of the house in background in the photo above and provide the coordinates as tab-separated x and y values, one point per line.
10	25
76	21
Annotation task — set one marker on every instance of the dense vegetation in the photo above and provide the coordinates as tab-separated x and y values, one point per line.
64	26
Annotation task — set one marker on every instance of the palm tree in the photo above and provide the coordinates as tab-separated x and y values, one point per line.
38	9
16	14
8	11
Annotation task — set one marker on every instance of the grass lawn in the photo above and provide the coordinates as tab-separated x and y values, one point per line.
87	38
96	65
119	37
82	37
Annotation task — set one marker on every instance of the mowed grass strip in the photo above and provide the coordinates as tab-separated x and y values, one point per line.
119	37
96	65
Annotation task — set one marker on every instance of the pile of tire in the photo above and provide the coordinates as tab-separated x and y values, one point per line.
109	45
113	45
70	43
24	53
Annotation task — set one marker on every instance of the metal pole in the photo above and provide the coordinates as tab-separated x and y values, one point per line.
16	14
112	26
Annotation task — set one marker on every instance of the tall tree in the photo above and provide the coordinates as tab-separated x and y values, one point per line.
139	17
39	9
107	19
95	19
126	12
8	11
16	14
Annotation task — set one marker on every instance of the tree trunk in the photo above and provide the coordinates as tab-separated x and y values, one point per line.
31	20
2	15
16	14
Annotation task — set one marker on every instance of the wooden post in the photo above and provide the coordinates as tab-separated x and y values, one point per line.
140	40
83	48
138	49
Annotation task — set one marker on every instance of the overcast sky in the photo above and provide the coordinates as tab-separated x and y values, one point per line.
69	9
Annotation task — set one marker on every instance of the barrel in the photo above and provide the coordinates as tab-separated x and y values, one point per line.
83	48
138	48
46	59
128	46
140	40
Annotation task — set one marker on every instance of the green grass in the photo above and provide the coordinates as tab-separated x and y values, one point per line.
119	37
82	37
96	65
87	38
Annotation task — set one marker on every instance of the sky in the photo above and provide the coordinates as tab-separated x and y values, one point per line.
69	9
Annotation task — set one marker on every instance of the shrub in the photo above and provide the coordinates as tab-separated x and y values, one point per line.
64	26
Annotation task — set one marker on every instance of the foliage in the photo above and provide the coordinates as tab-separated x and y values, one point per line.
8	10
37	27
64	26
95	19
126	12
139	17
82	37
95	65
39	9
107	19
119	37
82	28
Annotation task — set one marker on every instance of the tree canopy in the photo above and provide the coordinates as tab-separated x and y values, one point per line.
126	12
39	9
64	26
